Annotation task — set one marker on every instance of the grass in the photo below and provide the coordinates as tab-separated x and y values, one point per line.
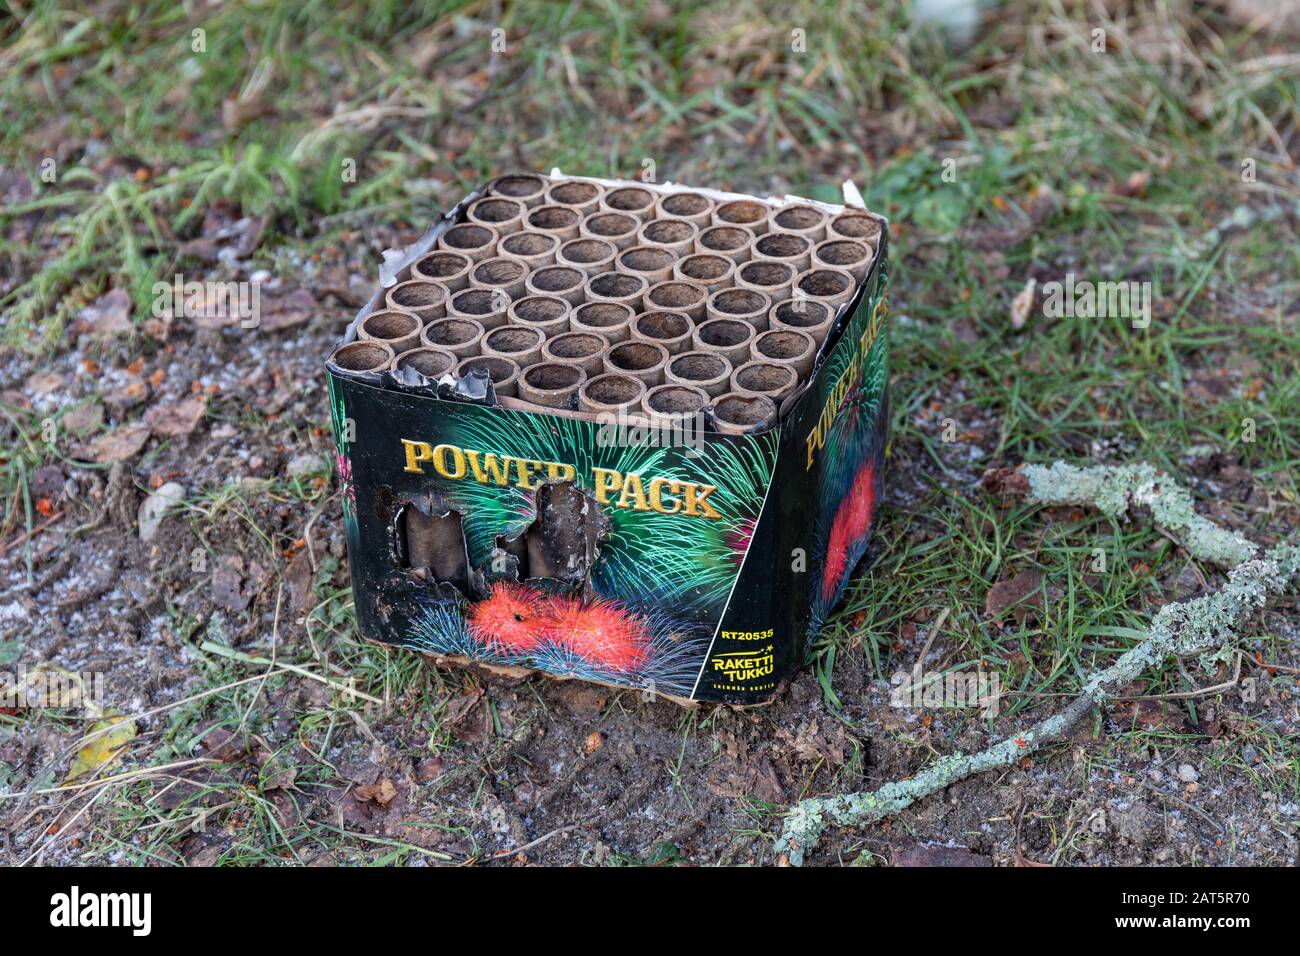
1027	154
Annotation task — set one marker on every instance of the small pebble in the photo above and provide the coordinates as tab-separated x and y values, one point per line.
1187	773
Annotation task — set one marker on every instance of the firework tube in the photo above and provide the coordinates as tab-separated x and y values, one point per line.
749	213
527	188
773	279
708	269
424	299
613	320
428	361
692	207
734	242
677	296
592	256
520	344
630	201
470	239
735	414
559	221
744	304
500	272
613	227
676	235
497	212
533	249
788	247
449	268
801	220
486	306
565	282
582	196
707	371
851	255
611	393
672	330
729	338
584	350
368	356
652	263
461	337
832	286
398	330
503	372
762	377
552	384
673	405
854	225
548	314
638	359
618	287
786	346
803	315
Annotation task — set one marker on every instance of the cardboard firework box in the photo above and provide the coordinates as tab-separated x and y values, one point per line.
498	515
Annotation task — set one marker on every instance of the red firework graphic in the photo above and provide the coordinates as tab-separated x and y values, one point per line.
852	521
600	632
738	538
517	619
512	619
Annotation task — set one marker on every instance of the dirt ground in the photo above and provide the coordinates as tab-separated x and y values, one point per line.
530	770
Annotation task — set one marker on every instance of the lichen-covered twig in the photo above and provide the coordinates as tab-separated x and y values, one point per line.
1202	625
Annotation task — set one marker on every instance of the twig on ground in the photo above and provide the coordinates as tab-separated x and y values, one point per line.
1203	626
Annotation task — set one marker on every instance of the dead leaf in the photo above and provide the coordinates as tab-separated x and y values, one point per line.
595	740
118	445
177	419
43	383
104	750
298	578
286	311
226	584
1152	714
109	315
1022	304
83	418
1013	593
380	792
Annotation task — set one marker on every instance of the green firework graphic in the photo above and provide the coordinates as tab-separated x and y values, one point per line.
342	461
648	557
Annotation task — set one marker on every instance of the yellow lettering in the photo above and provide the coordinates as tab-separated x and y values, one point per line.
697	500
633	495
491	470
416	452
524	469
607	481
657	486
457	469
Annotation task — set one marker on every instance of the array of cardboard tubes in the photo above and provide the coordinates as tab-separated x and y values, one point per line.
589	299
